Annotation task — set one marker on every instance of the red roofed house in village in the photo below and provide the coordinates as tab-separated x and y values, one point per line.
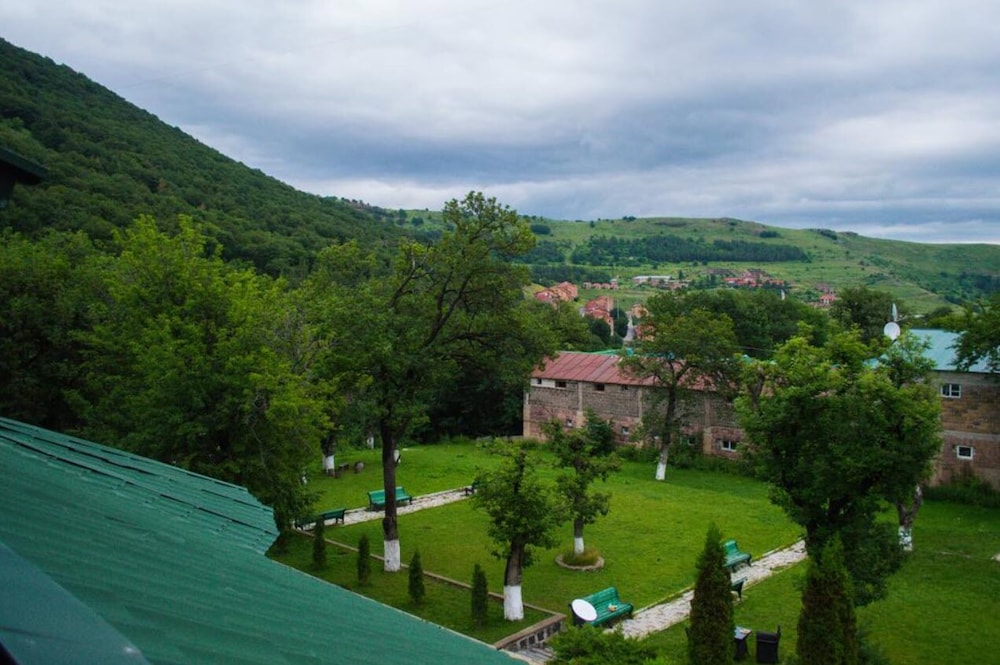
564	291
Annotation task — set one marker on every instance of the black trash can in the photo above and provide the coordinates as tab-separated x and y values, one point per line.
767	646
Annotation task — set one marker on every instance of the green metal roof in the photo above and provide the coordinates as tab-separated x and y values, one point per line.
175	562
941	350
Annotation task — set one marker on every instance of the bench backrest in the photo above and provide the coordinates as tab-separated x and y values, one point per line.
730	547
603	597
380	494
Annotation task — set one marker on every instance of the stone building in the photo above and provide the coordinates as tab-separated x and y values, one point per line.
565	387
970	414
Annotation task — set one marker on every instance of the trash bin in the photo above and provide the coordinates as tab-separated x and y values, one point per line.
767	646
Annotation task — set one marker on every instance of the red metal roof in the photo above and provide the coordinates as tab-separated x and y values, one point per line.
590	367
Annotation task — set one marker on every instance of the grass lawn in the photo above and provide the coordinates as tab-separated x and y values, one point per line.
942	605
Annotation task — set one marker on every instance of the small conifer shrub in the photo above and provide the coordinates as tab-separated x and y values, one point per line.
417	590
480	597
319	545
364	560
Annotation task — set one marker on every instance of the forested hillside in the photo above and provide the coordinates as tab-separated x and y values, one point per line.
109	162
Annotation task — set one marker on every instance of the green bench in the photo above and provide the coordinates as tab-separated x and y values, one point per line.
337	515
376	498
734	556
606	604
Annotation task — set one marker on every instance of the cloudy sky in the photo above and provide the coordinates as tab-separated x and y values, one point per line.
876	117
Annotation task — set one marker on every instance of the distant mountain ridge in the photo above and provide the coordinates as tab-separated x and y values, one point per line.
109	161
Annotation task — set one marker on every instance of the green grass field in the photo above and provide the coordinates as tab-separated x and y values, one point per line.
942	606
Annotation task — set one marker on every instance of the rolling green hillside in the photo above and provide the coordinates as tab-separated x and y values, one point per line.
110	162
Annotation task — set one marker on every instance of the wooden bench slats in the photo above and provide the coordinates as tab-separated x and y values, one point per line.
602	601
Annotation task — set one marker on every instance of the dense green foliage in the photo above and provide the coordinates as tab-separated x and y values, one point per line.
710	637
839	437
109	162
200	364
587	645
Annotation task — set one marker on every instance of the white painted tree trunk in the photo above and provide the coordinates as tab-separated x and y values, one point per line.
661	470
906	538
578	545
328	464
392	558
513	607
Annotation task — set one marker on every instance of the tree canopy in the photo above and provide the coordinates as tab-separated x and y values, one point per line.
839	433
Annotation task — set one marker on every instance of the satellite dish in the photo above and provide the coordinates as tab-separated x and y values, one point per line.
891	330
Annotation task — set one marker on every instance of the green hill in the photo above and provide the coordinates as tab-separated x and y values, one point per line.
110	161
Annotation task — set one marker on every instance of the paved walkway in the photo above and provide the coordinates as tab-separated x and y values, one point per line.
659	617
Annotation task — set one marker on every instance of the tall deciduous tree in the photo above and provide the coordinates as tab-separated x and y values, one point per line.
682	352
440	311
523	514
710	638
866	309
839	434
200	364
587	455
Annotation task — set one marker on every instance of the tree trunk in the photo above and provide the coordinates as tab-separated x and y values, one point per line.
578	536
513	606
390	528
329	464
661	464
907	515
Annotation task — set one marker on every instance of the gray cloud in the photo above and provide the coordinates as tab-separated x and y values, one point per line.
871	117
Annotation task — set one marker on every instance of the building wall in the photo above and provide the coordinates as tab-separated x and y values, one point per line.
971	428
970	421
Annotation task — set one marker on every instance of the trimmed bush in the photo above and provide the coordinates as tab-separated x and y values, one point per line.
480	597
417	589
319	545
364	560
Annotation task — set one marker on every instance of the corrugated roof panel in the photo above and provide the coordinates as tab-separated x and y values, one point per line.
587	367
174	561
942	351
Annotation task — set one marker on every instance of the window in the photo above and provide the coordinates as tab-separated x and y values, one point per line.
727	445
569	422
953	390
599	387
538	382
624	389
560	384
964	452
624	430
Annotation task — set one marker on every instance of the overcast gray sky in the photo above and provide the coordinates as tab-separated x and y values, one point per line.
876	117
